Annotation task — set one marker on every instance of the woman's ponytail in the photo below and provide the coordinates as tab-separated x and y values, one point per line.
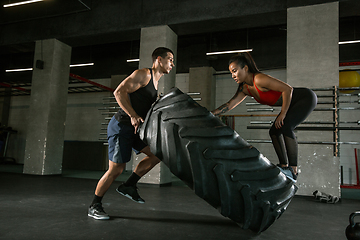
243	59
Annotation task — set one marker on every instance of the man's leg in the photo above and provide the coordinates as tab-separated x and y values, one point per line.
115	169
96	210
129	189
148	162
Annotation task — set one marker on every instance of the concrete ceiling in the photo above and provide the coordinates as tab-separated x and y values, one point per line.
107	32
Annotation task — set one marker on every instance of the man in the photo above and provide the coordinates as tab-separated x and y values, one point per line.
135	95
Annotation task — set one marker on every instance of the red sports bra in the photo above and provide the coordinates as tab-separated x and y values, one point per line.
268	98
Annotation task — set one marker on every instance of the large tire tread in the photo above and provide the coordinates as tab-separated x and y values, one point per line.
214	161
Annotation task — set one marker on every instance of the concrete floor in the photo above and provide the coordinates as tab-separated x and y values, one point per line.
55	207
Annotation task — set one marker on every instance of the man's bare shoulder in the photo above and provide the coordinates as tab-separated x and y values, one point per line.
141	76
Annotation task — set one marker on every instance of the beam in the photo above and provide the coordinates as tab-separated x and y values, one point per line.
91	82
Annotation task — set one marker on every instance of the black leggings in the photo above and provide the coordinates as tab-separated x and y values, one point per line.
303	102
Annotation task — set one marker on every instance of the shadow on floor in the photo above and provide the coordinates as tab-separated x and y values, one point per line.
55	207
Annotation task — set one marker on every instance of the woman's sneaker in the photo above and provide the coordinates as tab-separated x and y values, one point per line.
97	211
289	172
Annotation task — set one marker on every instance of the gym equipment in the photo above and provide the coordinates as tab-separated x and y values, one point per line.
353	230
325	198
215	162
348	79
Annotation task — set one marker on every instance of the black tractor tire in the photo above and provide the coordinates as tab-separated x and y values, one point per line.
215	162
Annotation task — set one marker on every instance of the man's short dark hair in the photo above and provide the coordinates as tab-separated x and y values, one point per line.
160	51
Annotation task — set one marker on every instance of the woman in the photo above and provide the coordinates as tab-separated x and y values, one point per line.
296	104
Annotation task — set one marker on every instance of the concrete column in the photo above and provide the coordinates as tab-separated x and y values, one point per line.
151	38
46	120
202	80
313	62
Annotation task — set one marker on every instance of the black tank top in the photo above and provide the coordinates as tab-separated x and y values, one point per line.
141	101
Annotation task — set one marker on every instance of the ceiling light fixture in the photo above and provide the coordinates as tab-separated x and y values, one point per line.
20	3
133	60
30	69
19	70
226	52
346	42
82	65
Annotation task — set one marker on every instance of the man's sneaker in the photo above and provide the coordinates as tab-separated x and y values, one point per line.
130	192
97	211
289	172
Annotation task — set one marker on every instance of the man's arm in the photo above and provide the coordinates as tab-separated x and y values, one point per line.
136	80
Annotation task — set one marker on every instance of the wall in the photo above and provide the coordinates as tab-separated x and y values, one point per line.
19	110
182	82
83	120
347	153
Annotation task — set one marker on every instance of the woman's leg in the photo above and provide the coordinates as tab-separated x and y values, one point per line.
279	145
303	103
